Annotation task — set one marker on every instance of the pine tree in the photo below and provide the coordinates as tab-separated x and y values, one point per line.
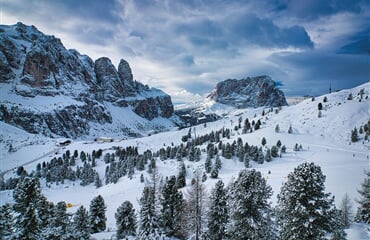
290	130
81	229
59	223
218	213
354	135
305	211
97	218
195	207
125	220
263	142
218	163
274	151
45	211
26	196
227	152
98	182
250	214
208	164
171	208
148	224
6	222
346	211
277	128
283	149
319	106
247	126
257	125
278	144
214	172
363	210
268	157
181	179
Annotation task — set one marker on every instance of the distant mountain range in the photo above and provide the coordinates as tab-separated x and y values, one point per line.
47	89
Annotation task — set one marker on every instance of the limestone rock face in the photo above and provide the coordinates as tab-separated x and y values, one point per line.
249	92
50	90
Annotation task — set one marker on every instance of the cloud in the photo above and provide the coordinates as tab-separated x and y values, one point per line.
312	72
250	29
314	9
186	47
359	43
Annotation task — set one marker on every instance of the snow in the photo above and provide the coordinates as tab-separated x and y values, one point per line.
325	141
38	103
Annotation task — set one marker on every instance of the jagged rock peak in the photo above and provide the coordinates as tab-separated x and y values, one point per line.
249	92
124	72
83	93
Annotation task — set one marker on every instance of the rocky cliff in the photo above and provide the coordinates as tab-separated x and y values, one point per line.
48	89
249	92
230	95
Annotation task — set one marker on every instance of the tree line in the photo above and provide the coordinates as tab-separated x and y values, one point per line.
240	210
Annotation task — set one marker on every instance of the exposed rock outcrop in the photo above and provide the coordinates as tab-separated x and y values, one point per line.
34	66
249	92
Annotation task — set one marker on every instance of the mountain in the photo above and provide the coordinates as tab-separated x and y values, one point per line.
50	90
325	140
233	95
249	92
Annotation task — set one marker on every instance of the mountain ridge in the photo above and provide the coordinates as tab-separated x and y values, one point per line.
34	65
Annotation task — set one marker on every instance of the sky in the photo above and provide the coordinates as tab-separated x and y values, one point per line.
185	47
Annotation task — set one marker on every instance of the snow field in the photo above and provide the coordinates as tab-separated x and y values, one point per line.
325	141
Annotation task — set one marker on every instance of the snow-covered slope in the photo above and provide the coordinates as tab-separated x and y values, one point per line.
325	140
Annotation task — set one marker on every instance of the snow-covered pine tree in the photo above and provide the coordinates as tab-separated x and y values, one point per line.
171	208
218	163
346	211
217	213
319	106
305	211
6	222
250	211
97	218
195	207
246	126
268	157
80	226
208	164
148	223
278	143
149	227
125	220
181	179
354	135
363	210
45	211
277	128
257	125
59	227
274	152
263	141
26	195
227	152
240	150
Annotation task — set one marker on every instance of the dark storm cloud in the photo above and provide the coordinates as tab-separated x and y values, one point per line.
312	73
251	29
358	44
313	9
